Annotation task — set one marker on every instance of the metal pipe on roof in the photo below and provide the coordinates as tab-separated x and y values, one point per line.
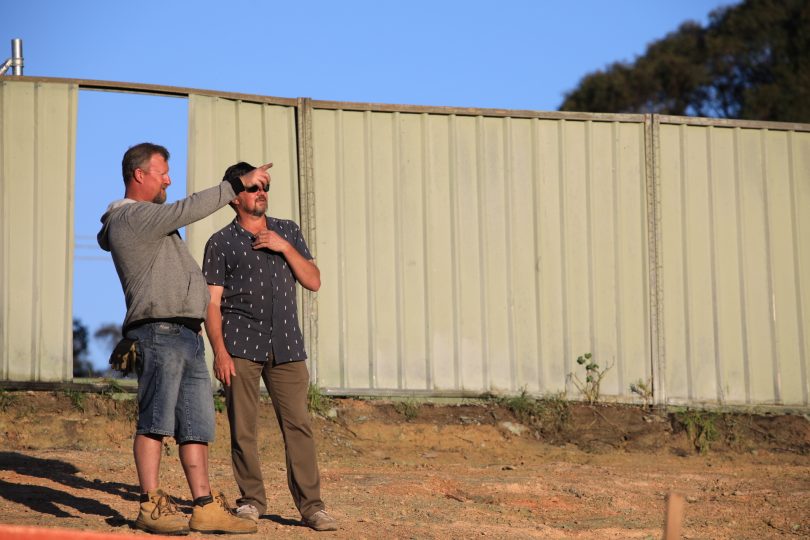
16	56
16	61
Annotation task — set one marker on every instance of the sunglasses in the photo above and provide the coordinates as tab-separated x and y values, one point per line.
254	189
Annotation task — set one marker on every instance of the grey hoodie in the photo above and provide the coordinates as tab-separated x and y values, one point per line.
160	278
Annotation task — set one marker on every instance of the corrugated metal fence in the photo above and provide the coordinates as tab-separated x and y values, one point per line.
472	251
37	155
476	253
734	272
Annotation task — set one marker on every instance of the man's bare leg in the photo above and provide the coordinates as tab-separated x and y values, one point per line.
194	457
147	450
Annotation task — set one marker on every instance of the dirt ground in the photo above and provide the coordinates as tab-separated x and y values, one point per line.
407	469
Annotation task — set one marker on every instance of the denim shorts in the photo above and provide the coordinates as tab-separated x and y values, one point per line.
175	397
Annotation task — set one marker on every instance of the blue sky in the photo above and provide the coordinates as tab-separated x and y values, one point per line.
518	54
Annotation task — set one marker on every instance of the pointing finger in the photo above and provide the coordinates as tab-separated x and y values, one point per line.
266	166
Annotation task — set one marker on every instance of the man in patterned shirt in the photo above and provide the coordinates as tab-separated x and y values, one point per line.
252	266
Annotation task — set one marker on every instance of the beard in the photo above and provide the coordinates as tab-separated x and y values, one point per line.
160	198
258	210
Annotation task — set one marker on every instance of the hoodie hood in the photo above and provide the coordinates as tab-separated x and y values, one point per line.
103	241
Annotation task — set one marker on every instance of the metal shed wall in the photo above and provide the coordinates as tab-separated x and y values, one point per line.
225	131
735	264
37	149
475	254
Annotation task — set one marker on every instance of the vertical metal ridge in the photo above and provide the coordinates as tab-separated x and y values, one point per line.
368	174
5	234
263	130
718	370
589	224
340	202
687	300
297	198
508	216
483	252
740	225
797	270
425	150
775	360
653	241
306	211
535	146
617	256
454	224
36	306
67	316
191	137
400	298
237	125
561	178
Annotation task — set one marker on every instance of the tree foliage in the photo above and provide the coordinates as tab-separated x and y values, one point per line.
109	334
82	366
752	61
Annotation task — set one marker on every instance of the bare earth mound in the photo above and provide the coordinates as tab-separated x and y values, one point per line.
411	470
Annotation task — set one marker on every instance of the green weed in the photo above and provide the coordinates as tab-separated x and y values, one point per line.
644	390
317	402
593	378
219	403
111	387
7	399
409	408
701	426
550	413
77	398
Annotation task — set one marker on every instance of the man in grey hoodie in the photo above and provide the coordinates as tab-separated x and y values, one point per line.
166	298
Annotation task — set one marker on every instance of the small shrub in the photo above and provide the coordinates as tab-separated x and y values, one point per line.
523	406
700	426
409	408
7	400
317	402
76	398
111	387
593	378
550	413
556	412
219	402
644	391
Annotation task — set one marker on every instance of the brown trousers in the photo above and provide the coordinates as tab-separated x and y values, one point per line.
287	384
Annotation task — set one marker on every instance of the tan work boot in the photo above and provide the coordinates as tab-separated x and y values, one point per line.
217	517
160	515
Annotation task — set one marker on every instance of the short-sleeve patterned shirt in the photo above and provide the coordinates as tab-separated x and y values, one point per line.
259	309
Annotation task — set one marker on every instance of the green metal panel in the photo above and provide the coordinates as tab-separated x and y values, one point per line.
37	149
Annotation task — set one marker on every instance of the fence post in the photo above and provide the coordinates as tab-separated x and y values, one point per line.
653	174
306	189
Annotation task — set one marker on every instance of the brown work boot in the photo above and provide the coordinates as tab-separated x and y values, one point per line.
160	515
217	517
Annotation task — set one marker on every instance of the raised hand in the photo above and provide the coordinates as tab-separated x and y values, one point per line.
258	176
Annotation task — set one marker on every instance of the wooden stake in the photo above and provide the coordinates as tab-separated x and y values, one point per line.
674	516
